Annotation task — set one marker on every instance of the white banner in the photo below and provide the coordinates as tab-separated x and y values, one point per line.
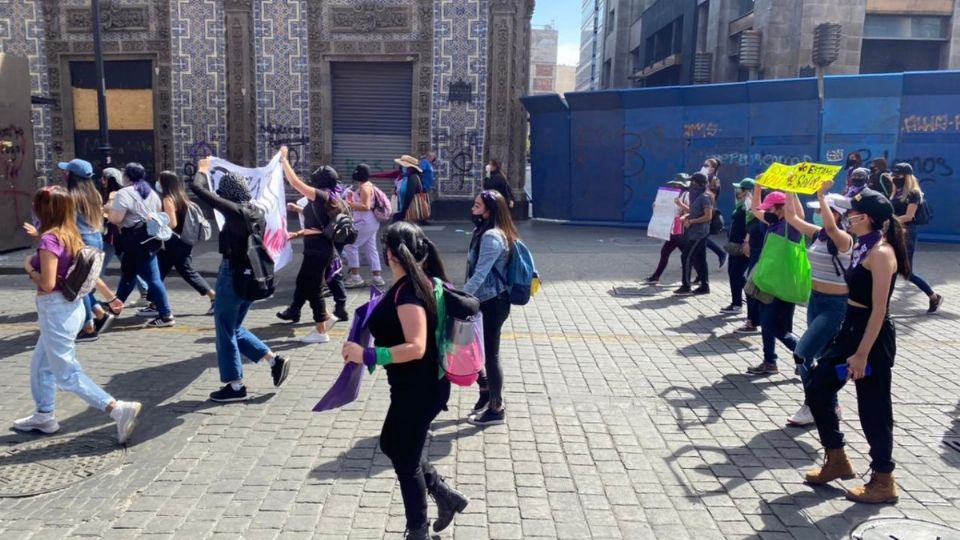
267	187
664	211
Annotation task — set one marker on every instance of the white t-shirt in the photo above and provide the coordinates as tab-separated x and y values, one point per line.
136	208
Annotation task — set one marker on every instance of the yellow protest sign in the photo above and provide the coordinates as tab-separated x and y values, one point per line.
804	178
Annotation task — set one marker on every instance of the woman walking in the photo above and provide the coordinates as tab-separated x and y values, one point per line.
776	318
409	185
864	351
830	252
682	204
490	251
111	181
736	240
318	248
176	253
907	198
711	168
495	180
232	199
752	247
361	202
130	209
403	326
54	362
696	232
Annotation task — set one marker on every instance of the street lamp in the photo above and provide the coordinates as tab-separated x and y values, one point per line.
826	50
101	85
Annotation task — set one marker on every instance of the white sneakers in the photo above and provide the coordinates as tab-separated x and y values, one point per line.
804	417
378	281
42	422
125	414
354	281
316	337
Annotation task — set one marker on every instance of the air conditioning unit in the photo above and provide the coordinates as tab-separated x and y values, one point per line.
703	68
748	54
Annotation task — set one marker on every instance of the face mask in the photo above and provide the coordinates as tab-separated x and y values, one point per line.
818	219
844	223
898	182
770	218
159	188
706	171
478	220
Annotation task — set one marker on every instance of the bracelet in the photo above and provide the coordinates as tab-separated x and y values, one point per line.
377	356
370	357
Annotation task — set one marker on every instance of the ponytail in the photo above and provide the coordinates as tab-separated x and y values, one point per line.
896	237
433	265
422	285
419	258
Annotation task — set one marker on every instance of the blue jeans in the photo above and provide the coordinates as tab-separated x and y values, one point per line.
145	266
110	253
824	318
93	239
776	322
232	338
54	362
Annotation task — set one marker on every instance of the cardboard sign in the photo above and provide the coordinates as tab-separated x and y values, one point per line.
664	211
803	178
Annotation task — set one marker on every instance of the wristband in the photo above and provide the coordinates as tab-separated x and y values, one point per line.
384	356
370	357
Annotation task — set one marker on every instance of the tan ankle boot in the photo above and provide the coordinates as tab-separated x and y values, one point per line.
836	465
881	489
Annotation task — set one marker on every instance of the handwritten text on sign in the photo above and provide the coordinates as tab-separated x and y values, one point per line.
804	178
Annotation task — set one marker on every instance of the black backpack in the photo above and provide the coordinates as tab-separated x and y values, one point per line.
924	212
253	277
716	222
340	227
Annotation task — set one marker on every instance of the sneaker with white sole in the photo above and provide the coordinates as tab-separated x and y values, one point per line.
160	322
316	337
354	281
42	422
378	281
148	312
801	418
125	414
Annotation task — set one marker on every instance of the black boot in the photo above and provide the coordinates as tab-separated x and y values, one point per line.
340	312
450	502
422	533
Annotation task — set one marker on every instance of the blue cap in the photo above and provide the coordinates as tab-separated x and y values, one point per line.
79	167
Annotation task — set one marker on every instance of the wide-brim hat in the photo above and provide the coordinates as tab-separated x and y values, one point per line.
408	161
834	200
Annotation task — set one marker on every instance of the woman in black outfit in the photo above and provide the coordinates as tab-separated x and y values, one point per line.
865	348
318	248
737	238
711	168
682	182
403	326
495	180
906	199
176	253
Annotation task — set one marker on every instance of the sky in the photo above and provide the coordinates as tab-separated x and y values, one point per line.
565	16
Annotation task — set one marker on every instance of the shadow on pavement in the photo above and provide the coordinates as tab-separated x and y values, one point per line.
729	393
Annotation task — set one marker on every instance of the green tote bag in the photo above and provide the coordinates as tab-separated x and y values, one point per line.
784	269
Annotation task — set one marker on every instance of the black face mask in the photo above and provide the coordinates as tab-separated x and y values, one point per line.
478	220
770	218
899	182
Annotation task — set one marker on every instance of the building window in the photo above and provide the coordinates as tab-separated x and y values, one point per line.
607	69
665	42
635	60
744	7
610	21
906	27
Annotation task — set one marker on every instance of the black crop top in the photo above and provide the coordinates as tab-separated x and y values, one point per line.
860	282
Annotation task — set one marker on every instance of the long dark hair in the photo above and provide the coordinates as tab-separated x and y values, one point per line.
419	258
173	187
896	236
137	176
500	218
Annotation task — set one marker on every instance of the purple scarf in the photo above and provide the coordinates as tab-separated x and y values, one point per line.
864	244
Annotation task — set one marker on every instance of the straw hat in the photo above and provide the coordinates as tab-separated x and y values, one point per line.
409	161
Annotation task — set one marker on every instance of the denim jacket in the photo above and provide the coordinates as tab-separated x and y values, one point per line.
483	282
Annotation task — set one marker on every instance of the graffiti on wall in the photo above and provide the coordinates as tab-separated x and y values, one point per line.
294	137
937	123
458	155
13	151
700	130
198	151
761	160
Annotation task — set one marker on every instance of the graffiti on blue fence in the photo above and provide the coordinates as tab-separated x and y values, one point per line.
761	160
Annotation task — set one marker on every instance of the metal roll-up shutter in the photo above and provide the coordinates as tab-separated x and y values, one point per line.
372	114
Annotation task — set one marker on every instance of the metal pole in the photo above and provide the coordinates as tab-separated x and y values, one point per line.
104	148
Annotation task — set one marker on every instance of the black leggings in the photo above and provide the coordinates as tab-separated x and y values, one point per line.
317	255
178	254
495	312
402	439
874	402
737	271
668	248
695	257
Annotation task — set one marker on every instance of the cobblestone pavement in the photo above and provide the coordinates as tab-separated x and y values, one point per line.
628	417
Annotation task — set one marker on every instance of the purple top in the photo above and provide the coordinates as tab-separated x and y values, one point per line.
780	227
51	243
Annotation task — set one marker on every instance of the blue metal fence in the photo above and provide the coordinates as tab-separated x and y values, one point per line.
600	156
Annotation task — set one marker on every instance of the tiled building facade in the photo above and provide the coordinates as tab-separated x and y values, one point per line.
239	77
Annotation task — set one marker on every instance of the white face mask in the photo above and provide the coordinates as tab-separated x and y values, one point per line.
159	188
706	171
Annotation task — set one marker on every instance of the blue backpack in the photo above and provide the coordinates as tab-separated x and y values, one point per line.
521	275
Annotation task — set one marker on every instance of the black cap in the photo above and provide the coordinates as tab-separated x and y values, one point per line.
870	202
903	168
860	173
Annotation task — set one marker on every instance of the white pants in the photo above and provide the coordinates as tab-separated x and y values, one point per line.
366	242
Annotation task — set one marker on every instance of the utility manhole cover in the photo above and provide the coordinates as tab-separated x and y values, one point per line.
52	464
903	529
